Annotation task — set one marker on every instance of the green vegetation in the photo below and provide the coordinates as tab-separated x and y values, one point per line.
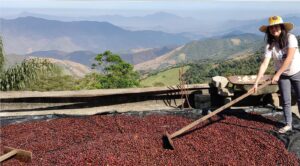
116	73
90	81
164	78
198	72
20	76
53	80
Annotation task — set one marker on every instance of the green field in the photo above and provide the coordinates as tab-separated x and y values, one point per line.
164	78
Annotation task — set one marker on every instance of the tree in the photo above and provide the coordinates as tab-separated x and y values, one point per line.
21	75
116	72
52	80
90	81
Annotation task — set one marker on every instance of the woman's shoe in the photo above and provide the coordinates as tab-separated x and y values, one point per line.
285	129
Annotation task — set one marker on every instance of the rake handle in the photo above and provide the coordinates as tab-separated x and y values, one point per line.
191	125
8	155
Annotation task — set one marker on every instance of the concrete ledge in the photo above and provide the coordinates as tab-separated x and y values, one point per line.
100	92
135	106
89	102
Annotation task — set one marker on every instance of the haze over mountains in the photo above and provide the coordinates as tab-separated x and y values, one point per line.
160	21
29	34
171	23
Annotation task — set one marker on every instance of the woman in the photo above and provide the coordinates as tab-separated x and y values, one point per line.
283	48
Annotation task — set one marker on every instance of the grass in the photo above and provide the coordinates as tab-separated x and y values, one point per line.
164	78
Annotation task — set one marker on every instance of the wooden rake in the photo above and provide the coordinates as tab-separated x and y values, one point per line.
19	154
167	138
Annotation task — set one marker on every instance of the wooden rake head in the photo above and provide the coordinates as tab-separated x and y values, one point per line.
168	142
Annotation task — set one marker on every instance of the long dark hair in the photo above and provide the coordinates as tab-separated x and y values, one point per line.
283	40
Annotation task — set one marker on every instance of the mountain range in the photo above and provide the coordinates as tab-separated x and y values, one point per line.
29	34
193	27
159	21
224	47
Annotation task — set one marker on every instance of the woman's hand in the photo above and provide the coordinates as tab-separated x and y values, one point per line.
275	78
255	87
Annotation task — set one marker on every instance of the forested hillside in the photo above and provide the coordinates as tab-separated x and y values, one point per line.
221	48
203	71
214	49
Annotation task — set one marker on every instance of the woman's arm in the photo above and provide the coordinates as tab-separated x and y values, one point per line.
285	65
262	69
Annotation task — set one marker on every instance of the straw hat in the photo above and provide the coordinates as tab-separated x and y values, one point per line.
275	20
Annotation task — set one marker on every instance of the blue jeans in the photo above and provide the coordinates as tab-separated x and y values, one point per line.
285	84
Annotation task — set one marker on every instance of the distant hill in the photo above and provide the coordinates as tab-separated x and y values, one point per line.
220	48
225	47
29	34
160	21
69	67
140	56
83	57
160	62
49	54
164	78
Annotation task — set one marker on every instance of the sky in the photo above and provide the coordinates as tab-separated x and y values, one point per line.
215	9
